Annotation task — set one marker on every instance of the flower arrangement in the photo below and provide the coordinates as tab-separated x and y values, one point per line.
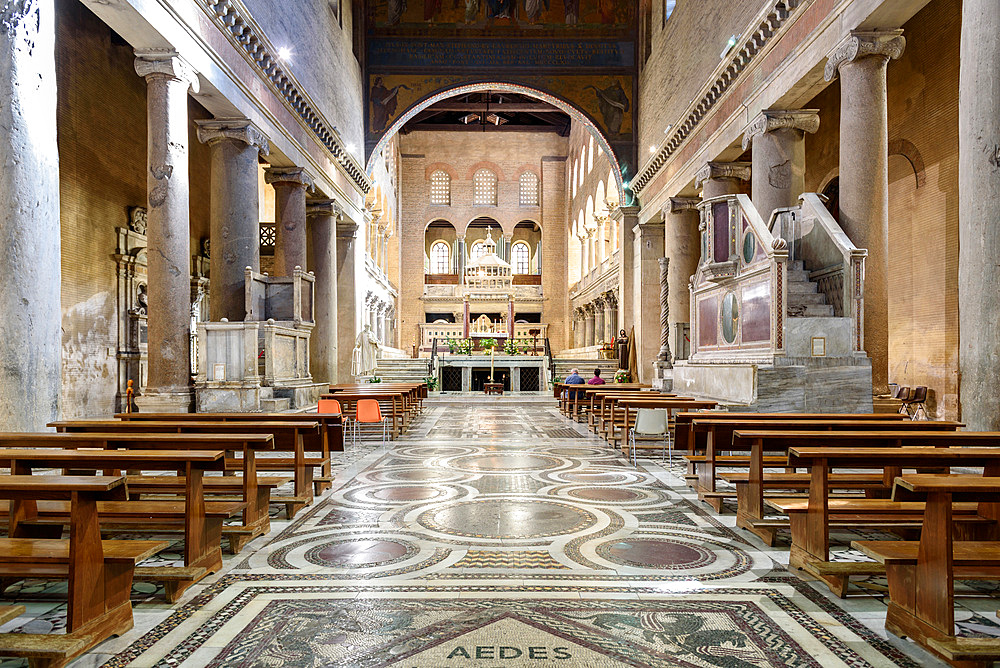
622	376
432	383
510	347
490	344
374	379
465	347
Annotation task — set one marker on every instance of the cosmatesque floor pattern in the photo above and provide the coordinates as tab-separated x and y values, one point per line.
498	533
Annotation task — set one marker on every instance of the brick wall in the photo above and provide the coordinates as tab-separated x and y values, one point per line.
102	169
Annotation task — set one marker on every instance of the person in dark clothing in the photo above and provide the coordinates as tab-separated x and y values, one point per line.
596	380
574	378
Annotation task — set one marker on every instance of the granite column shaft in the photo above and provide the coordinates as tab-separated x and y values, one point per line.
290	185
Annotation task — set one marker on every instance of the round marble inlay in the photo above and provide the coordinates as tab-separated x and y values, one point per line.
656	553
507	518
359	553
598	478
578	452
406	493
505	462
605	494
417	475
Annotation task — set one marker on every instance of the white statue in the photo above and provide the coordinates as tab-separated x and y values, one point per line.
365	356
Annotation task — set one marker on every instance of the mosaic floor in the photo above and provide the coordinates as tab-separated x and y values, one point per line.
498	533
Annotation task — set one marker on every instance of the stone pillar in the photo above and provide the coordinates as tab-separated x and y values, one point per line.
721	178
861	61
682	244
978	233
588	325
599	320
626	217
465	318
578	332
30	255
460	258
664	354
347	296
610	312
645	279
505	245
779	157
290	184
323	216
234	213
168	80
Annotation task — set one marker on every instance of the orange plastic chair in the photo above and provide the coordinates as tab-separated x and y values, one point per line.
369	412
332	407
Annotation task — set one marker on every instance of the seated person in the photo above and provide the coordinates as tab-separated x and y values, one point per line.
574	378
596	380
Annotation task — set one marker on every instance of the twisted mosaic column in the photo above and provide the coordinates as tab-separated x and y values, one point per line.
664	355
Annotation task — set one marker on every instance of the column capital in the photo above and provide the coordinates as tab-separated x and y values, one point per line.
769	120
722	170
324	207
663	261
863	44
214	130
347	229
165	63
292	175
620	212
681	204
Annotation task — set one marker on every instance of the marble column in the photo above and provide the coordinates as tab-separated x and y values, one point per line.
599	320
721	178
626	217
588	325
648	249
290	185
168	80
978	233
30	255
323	216
610	313
664	354
779	157
460	257
861	60
347	295
234	214
682	244
578	328
505	244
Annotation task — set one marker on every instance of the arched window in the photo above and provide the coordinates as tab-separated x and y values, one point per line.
484	188
441	188
529	189
440	258
520	255
478	249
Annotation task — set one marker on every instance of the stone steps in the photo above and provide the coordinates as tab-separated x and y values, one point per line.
804	297
562	367
402	370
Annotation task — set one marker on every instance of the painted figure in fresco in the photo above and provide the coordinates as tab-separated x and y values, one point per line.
572	11
607	10
613	103
498	9
431	9
533	9
383	103
395	9
471	11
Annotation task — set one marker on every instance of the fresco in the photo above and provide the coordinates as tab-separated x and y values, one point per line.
607	99
469	17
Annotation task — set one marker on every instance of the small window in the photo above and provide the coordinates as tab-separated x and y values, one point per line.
668	9
441	188
440	258
529	189
484	188
478	249
521	256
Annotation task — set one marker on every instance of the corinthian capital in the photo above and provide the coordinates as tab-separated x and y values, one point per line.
769	120
722	170
863	44
165	63
237	129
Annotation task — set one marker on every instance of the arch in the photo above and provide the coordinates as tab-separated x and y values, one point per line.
583	156
908	150
440	257
590	155
573	112
488	165
442	167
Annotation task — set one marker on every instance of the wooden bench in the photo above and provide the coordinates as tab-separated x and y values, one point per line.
750	506
200	521
811	533
99	572
296	437
922	574
718	433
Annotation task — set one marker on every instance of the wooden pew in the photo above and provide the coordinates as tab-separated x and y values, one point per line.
810	519
922	573
718	438
99	572
288	436
750	505
201	520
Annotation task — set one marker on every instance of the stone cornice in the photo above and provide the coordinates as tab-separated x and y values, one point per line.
862	44
755	38
296	175
722	170
165	63
769	120
679	204
237	129
233	20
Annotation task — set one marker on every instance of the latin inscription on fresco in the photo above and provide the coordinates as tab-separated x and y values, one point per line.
502	54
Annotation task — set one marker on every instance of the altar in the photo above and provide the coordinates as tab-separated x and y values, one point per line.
469	373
